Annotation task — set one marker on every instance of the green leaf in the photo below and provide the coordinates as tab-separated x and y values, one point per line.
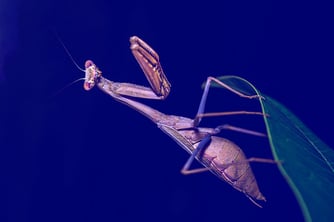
307	162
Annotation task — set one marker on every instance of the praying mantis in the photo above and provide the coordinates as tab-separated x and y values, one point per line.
222	157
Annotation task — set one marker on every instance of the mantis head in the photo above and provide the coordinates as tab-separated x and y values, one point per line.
92	74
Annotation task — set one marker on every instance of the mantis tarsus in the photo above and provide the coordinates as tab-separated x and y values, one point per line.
218	155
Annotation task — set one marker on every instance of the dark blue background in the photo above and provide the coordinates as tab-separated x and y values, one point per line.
80	156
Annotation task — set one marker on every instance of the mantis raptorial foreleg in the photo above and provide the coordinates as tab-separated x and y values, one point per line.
148	60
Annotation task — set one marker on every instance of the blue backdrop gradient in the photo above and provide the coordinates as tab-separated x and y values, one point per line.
81	156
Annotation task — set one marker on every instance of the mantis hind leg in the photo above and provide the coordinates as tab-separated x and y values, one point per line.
201	147
204	144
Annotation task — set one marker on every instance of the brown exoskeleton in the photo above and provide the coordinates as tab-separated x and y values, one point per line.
218	155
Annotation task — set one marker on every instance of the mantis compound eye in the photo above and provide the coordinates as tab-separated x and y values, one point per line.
88	64
88	85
